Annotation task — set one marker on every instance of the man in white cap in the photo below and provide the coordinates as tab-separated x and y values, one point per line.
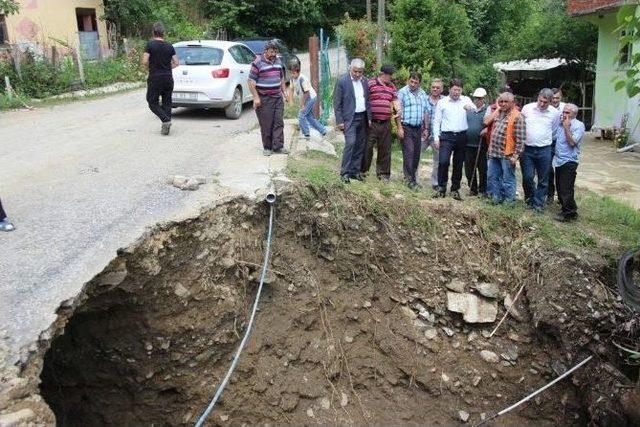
475	160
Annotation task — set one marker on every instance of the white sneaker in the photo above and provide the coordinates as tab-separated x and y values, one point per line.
6	225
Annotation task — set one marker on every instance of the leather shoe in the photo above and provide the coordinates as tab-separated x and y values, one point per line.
345	179
358	177
456	195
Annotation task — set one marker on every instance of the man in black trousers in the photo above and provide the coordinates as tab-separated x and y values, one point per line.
160	58
5	225
353	117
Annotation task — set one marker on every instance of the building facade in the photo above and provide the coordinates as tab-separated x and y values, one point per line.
41	24
610	105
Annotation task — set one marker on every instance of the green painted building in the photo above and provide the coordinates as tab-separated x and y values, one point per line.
609	105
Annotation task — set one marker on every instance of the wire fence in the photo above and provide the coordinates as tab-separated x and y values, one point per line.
325	79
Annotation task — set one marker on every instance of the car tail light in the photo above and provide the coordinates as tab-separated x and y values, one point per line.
222	73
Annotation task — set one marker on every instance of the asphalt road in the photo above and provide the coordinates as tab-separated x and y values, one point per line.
83	179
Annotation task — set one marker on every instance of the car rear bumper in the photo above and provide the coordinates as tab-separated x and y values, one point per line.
192	98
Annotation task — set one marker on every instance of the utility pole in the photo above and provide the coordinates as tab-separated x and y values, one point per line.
381	7
369	11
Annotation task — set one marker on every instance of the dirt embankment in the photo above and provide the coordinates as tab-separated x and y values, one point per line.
353	327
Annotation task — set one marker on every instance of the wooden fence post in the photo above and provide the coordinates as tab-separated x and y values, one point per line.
314	69
17	58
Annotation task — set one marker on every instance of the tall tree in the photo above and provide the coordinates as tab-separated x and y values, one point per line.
9	7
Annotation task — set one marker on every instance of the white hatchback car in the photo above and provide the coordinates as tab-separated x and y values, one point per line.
212	74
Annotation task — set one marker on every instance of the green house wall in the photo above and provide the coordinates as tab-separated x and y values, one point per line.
610	105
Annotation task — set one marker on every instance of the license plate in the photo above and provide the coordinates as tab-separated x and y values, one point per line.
185	95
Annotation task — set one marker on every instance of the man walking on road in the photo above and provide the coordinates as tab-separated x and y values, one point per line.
542	121
415	125
450	137
266	83
353	116
160	58
5	225
383	98
568	140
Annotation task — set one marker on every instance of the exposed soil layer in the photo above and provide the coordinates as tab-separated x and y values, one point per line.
353	327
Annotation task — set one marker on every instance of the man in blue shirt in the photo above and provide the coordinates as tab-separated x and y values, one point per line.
568	140
415	123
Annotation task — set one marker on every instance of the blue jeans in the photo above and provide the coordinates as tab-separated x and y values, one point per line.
306	119
535	161
501	180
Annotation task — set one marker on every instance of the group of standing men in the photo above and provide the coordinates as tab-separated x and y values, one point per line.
487	141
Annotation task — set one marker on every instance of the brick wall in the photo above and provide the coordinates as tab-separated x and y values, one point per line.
583	7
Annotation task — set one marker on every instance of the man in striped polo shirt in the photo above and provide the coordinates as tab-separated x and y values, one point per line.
383	96
266	83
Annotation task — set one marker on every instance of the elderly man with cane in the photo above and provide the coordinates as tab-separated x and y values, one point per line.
476	152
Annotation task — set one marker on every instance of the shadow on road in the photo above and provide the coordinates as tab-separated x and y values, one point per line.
207	113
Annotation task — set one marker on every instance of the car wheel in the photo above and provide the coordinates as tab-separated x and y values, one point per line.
233	110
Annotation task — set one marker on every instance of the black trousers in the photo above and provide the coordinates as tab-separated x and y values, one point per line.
378	136
3	215
566	180
411	152
271	119
355	143
479	182
451	143
553	180
160	87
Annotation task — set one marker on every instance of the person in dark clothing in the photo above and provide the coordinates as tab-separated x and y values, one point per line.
266	83
475	160
160	58
5	225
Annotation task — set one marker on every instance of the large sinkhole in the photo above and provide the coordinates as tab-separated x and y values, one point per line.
353	326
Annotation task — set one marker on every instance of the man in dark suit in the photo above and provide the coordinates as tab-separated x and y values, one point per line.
353	117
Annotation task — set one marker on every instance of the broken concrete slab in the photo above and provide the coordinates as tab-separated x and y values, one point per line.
473	308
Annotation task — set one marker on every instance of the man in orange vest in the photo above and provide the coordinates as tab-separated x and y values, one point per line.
506	145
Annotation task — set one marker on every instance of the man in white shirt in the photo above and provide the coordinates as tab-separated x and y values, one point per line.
557	103
450	137
542	120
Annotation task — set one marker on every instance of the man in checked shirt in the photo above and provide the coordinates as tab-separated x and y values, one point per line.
505	147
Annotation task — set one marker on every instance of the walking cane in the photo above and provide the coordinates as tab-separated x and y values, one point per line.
475	165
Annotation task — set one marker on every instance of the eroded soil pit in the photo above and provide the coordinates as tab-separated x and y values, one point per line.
353	327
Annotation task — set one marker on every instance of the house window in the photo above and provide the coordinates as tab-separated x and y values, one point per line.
625	52
4	37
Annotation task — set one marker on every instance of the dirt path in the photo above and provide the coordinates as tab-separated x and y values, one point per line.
609	173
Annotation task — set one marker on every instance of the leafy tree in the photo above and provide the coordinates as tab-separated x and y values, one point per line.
9	7
415	35
629	22
550	33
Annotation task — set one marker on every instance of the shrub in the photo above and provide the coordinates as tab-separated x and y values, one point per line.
358	37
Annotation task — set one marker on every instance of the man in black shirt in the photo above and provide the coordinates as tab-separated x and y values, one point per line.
160	58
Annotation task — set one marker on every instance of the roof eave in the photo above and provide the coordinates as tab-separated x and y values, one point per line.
597	10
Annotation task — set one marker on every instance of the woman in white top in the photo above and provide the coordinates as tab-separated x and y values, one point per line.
303	89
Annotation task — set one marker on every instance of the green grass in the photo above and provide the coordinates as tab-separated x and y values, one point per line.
605	225
9	102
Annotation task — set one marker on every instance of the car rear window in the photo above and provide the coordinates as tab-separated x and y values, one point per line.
199	55
257	46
